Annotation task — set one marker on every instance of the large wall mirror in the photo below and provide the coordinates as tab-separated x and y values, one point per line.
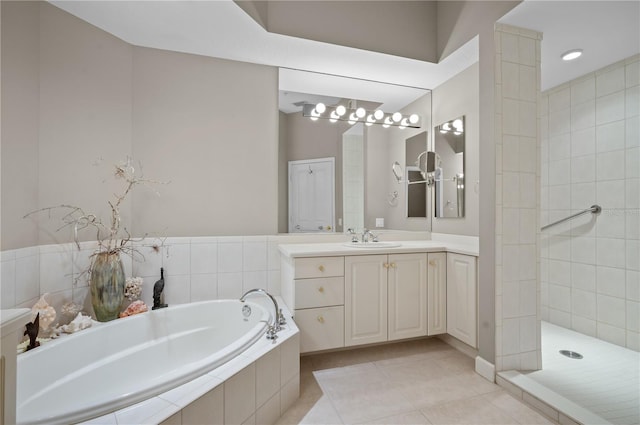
362	153
449	181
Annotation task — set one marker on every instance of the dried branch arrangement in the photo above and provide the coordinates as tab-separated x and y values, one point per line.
111	237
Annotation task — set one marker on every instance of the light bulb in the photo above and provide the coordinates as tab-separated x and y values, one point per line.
341	110
352	118
371	118
388	121
404	122
457	124
571	54
320	108
360	112
397	116
446	126
378	114
414	118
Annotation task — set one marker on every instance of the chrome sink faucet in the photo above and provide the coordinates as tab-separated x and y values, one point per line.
354	236
367	234
278	318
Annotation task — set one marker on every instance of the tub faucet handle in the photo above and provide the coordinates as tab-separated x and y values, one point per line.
281	319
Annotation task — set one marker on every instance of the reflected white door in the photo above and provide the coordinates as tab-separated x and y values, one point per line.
311	195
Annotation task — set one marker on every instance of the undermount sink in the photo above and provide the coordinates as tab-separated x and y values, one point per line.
372	244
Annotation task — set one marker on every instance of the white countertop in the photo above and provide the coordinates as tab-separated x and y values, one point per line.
330	249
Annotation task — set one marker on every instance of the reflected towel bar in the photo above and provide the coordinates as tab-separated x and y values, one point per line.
595	209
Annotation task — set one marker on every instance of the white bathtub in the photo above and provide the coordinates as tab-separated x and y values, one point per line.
119	363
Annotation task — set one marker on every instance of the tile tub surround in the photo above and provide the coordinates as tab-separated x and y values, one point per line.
196	269
255	387
423	381
590	266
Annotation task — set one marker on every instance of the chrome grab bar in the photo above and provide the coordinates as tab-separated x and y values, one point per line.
595	209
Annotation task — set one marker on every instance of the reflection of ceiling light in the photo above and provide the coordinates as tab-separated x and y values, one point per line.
454	126
353	115
571	54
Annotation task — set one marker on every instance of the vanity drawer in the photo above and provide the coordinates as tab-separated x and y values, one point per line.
319	292
318	267
320	328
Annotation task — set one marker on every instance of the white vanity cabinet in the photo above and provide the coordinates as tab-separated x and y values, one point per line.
385	297
437	293
341	299
314	289
461	298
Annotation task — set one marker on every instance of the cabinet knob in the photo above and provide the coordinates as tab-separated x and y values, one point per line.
321	289
320	319
393	265
321	267
385	265
432	263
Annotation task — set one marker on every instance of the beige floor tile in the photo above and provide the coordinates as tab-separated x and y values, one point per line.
416	382
456	361
320	412
411	370
475	410
410	418
423	394
477	383
522	413
359	404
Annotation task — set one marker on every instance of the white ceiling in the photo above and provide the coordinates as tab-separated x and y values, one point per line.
606	30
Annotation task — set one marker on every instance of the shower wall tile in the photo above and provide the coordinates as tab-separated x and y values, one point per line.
523	164
610	137
604	250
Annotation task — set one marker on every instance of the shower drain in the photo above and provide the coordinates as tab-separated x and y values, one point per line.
571	354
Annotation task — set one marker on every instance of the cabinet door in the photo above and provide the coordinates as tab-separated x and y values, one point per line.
407	295
437	293
461	297
365	299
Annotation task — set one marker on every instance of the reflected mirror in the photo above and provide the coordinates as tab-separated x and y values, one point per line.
415	160
397	171
449	193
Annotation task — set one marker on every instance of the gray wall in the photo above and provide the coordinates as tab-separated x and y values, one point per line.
456	97
402	28
78	100
20	83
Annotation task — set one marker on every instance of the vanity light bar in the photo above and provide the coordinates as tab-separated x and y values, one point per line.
353	116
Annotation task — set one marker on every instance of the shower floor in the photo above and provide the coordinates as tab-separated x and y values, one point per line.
606	381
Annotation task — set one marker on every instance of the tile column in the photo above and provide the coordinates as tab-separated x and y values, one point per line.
517	90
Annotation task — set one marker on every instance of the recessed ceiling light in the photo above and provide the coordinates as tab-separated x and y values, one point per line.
572	54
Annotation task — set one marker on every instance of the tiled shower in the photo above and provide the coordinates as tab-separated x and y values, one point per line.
590	154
